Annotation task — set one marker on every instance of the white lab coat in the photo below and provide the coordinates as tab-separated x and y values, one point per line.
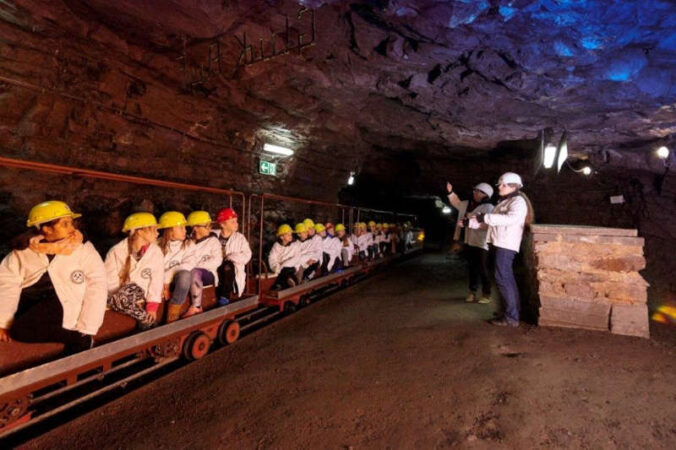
349	248
147	272
475	237
310	248
238	251
506	223
209	255
79	280
282	256
332	246
180	256
317	245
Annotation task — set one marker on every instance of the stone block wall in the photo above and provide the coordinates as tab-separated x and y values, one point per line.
588	277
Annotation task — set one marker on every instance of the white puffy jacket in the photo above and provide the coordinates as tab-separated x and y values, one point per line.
79	280
238	251
147	272
284	256
332	246
506	223
209	255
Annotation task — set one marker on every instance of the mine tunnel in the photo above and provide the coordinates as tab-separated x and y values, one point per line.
330	224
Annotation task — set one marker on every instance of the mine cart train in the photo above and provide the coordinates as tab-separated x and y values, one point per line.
75	322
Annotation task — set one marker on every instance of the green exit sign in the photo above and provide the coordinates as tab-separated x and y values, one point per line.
267	168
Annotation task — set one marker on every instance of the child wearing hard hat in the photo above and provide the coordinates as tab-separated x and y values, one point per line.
309	258
179	260
284	259
208	256
236	255
475	240
135	271
53	283
330	247
362	242
371	237
316	243
347	246
506	225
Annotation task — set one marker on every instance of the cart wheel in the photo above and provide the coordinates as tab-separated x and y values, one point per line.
289	307
228	332
304	300
13	411
196	346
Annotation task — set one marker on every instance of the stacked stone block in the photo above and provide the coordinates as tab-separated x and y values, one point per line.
588	277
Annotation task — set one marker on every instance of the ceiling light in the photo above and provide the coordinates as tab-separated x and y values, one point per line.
277	149
550	155
562	151
587	170
445	210
350	180
663	152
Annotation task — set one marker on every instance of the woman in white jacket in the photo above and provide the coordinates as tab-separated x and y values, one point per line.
56	281
135	271
284	259
236	255
179	260
506	224
208	256
477	247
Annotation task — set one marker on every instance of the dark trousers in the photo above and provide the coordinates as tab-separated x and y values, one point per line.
42	322
226	280
325	263
504	278
309	272
285	279
477	259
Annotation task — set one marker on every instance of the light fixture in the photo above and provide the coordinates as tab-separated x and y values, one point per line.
271	148
587	170
550	155
350	180
562	151
445	210
662	152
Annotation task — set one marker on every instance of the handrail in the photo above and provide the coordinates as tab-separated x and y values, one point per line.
98	174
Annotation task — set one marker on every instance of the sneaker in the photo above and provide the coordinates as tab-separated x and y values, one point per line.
192	311
471	297
485	300
222	301
504	323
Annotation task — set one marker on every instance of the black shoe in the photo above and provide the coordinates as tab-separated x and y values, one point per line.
504	323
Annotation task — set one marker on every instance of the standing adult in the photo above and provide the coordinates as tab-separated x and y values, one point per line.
475	239
506	224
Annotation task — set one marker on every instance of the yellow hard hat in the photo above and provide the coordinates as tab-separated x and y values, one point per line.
172	219
309	223
284	229
301	227
340	227
379	225
198	218
320	227
386	226
372	223
48	211
363	225
139	220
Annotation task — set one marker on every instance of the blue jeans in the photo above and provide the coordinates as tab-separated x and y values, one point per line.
504	278
190	281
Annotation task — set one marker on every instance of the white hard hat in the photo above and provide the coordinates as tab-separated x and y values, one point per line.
510	178
485	188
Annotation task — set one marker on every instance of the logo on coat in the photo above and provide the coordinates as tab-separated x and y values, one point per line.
205	258
173	264
145	273
77	276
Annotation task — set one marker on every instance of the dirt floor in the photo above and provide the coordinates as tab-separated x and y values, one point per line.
400	361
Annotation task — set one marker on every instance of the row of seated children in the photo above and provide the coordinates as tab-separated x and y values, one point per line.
56	287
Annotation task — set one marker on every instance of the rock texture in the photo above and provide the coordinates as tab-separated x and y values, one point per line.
587	277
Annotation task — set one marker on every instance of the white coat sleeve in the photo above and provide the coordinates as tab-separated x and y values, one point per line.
241	251
157	278
189	260
294	257
96	293
10	287
113	271
215	251
454	200
274	264
515	215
